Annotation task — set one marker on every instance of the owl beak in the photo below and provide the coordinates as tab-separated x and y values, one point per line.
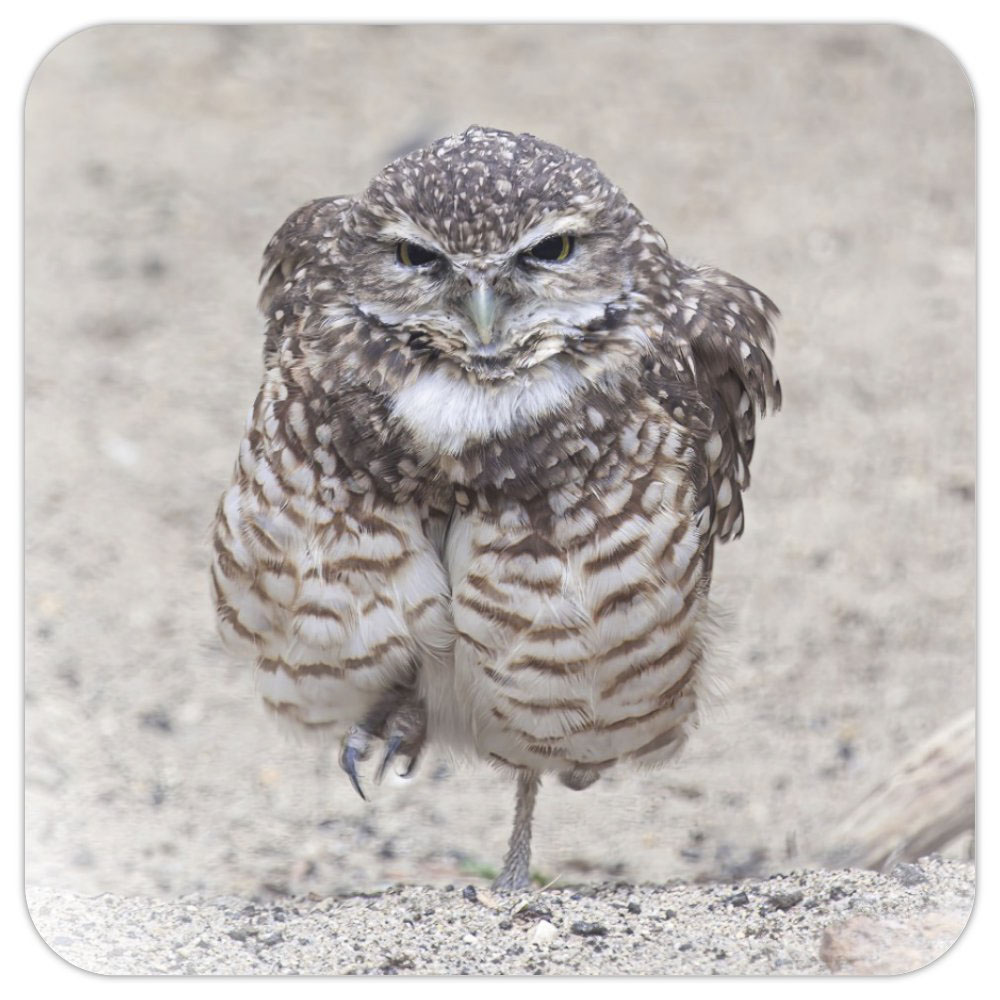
481	305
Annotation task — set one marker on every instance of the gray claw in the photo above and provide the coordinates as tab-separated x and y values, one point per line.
349	758
391	749
353	750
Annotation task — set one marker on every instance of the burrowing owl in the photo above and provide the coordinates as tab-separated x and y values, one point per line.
499	431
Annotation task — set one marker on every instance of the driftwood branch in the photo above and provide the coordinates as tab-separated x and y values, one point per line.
926	804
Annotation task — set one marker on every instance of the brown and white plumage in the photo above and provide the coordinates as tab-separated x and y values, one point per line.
500	430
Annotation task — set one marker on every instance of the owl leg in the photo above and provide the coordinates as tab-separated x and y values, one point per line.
516	873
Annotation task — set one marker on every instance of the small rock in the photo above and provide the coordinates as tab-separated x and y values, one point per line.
469	893
544	932
867	947
785	900
586	928
470	939
739	899
634	907
533	910
394	963
909	874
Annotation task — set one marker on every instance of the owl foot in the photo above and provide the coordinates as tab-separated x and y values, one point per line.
400	720
513	878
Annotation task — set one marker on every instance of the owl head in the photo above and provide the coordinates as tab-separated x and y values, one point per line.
489	281
496	256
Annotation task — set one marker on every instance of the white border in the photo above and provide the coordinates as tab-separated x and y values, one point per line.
33	29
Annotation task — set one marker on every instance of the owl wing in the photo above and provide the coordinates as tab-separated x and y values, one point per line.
712	370
327	579
297	253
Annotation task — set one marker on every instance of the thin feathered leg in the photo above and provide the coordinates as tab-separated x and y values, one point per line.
516	873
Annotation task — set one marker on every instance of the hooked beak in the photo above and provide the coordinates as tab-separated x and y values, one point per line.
481	305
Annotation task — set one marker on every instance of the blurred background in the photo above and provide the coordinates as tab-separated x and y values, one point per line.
833	167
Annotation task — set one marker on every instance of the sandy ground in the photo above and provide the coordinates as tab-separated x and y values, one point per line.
800	923
830	166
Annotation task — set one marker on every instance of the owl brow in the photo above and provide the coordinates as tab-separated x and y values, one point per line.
396	232
567	225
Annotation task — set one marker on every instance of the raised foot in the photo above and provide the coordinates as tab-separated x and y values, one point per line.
400	719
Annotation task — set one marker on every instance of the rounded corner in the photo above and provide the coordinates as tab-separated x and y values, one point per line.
949	949
51	945
58	44
928	36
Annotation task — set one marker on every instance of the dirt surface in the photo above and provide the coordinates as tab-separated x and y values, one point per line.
800	923
830	166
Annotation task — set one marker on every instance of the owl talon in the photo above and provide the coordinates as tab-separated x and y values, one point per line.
408	731
404	730
355	749
391	749
348	761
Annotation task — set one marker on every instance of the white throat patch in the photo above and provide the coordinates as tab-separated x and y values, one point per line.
446	414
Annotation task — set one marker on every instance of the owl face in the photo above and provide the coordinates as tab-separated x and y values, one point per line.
496	256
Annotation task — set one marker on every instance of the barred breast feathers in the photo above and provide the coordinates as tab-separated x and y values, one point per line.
338	594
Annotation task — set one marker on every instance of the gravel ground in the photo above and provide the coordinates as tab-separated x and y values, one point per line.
831	166
803	923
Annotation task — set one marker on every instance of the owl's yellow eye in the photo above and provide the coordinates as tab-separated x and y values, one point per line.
413	254
553	248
